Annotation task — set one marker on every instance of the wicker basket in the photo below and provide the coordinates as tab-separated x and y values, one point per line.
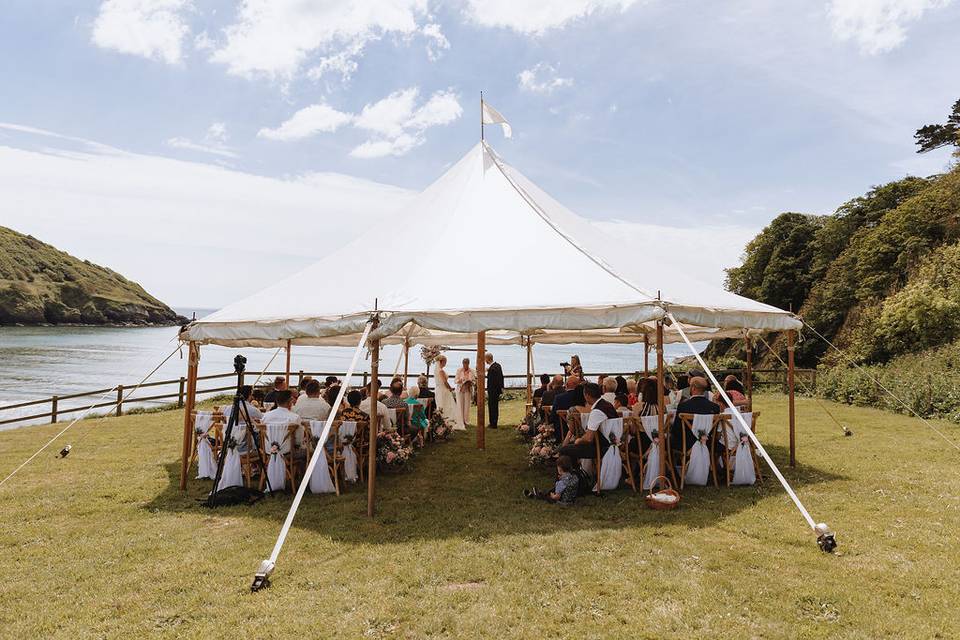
658	505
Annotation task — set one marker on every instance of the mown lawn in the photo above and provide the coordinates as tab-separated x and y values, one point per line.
102	544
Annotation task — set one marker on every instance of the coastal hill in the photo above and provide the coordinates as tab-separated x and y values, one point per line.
40	284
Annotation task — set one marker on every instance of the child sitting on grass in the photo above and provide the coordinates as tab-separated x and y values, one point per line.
565	490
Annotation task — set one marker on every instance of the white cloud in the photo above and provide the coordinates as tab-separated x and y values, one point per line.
535	17
437	43
343	62
186	143
877	26
306	122
150	28
217	132
396	122
542	78
276	37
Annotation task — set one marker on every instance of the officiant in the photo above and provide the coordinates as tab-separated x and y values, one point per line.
466	382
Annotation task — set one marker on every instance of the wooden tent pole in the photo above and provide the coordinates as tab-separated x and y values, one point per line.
193	360
661	407
288	364
791	345
748	374
529	373
372	412
406	362
481	389
646	356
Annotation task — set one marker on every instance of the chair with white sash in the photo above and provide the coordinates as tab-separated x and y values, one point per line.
233	468
276	440
392	418
631	450
739	452
697	463
651	426
346	435
610	466
320	480
206	435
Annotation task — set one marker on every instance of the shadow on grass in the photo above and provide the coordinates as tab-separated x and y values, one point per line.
454	490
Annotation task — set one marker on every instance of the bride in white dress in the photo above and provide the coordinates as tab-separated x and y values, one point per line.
445	399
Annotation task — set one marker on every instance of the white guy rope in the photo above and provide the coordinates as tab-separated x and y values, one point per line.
879	384
318	452
746	428
85	412
270	362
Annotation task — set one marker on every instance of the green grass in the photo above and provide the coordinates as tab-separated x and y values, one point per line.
102	544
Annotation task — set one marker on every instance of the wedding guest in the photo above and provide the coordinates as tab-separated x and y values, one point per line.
418	417
570	398
330	395
621	385
632	395
554	387
310	406
302	387
620	403
394	399
566	488
246	393
544	385
352	412
673	394
466	378
647	405
331	381
609	386
283	414
575	369
279	384
735	391
600	410
425	392
697	403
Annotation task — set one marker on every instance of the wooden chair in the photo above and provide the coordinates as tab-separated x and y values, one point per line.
267	442
311	442
727	432
631	434
402	421
211	431
607	430
687	419
361	444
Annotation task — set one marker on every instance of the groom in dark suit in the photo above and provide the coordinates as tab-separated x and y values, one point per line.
494	389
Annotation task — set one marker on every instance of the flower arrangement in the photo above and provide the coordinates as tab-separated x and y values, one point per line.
392	452
439	427
544	450
528	427
430	353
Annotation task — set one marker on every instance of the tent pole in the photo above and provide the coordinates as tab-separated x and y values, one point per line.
791	345
372	449
662	431
406	362
748	374
646	356
288	365
193	359
529	374
481	388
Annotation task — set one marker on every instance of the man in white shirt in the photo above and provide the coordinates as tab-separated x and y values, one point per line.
283	414
600	410
311	406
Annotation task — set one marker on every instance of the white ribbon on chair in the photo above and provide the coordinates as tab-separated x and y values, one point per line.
610	467
276	467
651	426
392	417
206	465
320	480
744	471
232	474
698	468
348	431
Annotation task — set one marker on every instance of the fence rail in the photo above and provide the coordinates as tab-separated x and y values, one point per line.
761	377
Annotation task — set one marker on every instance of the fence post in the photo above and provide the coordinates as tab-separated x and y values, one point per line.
119	400
300	379
365	374
53	409
183	382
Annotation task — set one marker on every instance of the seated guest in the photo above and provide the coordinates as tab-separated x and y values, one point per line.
600	410
544	385
670	389
693	373
330	395
553	388
418	417
331	381
632	395
609	386
647	405
352	412
620	403
696	404
566	488
246	392
310	406
683	388
425	392
600	379
395	400
302	388
279	384
621	384
283	414
382	411
572	397
735	391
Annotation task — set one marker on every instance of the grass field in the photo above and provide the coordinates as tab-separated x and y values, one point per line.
102	544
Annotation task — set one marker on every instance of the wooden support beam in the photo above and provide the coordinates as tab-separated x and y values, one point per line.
646	356
372	411
791	346
748	373
529	372
193	360
288	364
406	362
661	406
481	389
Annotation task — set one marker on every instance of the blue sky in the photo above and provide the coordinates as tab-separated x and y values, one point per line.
655	112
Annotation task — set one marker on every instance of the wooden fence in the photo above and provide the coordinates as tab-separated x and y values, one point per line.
53	407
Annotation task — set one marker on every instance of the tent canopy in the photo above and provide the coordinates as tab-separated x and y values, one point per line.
502	230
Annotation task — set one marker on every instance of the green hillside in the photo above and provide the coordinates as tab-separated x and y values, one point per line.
40	284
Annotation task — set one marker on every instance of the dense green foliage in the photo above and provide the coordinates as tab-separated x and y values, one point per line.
934	136
878	277
39	283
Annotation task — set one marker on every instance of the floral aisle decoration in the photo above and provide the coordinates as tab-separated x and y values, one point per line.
527	429
392	452
545	449
439	427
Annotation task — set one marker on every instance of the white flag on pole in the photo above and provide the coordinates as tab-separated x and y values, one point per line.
490	115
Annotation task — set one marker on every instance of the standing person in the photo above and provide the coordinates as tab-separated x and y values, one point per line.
444	398
466	378
494	388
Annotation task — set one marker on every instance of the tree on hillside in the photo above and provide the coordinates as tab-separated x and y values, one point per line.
934	136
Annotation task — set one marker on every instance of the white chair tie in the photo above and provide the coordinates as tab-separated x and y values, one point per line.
348	431
651	426
320	480
744	471
206	465
698	468
610	467
277	444
392	417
